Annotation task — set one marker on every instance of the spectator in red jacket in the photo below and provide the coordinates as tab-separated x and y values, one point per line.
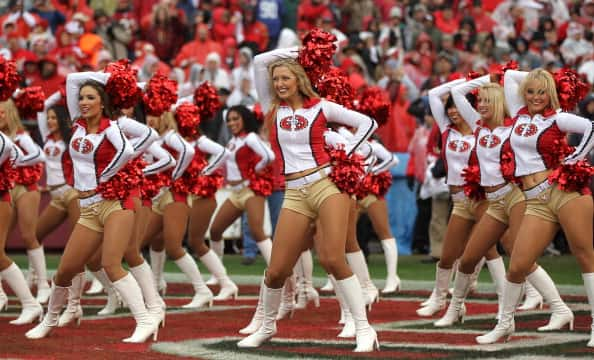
195	51
253	30
49	78
165	32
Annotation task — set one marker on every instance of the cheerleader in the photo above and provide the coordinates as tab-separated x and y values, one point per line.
458	142
538	142
203	207
26	197
299	120
171	207
99	151
506	203
9	271
248	156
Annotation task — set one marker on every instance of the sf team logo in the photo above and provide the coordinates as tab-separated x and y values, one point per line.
526	130
82	145
490	141
294	123
52	151
458	145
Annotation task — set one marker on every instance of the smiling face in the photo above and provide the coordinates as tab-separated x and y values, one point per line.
52	121
235	123
484	108
536	96
454	115
284	82
89	102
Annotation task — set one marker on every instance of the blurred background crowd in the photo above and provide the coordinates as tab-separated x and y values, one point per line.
405	47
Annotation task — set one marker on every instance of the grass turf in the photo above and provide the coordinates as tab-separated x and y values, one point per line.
563	269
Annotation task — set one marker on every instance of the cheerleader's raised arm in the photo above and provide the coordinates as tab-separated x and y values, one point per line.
511	88
42	116
437	106
262	78
73	83
465	108
218	154
32	152
571	123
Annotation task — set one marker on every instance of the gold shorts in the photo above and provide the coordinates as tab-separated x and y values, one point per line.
16	192
95	215
62	196
547	202
240	197
366	202
466	208
500	208
308	199
161	202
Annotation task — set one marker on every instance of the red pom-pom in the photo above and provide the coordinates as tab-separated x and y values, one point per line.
30	101
570	88
188	119
507	166
121	86
334	86
347	171
8	175
152	185
161	93
472	75
472	186
574	177
257	110
207	100
558	152
119	186
380	184
261	183
316	53
188	182
9	78
374	103
207	186
28	175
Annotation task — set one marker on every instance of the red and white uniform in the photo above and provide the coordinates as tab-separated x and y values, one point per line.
377	158
244	150
180	149
456	147
8	150
297	136
53	147
32	153
533	137
490	143
99	156
140	136
158	159
217	153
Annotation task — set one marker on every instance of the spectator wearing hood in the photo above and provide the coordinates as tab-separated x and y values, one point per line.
214	73
252	30
166	31
245	69
50	80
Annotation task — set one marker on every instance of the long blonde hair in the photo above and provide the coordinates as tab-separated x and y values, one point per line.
493	94
167	122
546	79
303	84
13	120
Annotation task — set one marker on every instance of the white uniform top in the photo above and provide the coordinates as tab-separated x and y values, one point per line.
99	156
534	137
8	150
456	147
217	153
158	159
244	150
32	153
377	158
139	135
297	136
490	143
182	151
53	148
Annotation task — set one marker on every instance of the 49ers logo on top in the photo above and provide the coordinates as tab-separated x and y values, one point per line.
490	141
293	123
458	145
526	130
82	145
52	151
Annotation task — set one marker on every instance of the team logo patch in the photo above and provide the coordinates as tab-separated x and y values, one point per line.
490	141
52	151
82	145
459	145
526	130
293	123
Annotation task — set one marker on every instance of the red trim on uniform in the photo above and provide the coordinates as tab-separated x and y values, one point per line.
32	187
103	156
317	143
67	168
104	123
547	141
179	197
127	203
147	203
307	102
444	144
546	113
246	160
276	148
